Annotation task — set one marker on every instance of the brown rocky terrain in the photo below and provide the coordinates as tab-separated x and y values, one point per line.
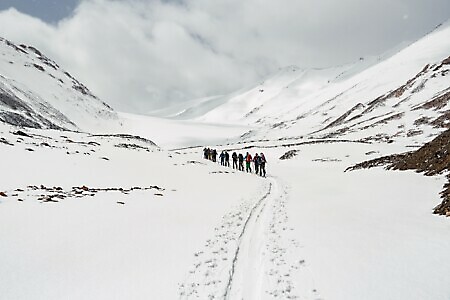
433	158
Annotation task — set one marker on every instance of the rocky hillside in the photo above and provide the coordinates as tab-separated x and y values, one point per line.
433	158
35	92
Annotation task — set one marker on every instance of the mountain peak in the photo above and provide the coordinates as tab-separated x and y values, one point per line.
36	92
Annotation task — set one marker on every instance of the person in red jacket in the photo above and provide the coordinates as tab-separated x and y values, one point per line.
248	161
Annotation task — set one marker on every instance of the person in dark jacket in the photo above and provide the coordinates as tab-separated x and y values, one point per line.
222	158
262	165
214	155
234	156
241	162
227	159
256	162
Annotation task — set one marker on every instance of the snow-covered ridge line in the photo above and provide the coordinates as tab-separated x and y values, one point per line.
379	101
36	92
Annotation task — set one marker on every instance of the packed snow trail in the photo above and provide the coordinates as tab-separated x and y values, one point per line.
244	244
247	257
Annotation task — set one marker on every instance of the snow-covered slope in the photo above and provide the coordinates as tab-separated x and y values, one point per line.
241	104
114	217
36	92
410	88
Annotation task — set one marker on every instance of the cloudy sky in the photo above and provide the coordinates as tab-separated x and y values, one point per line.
140	55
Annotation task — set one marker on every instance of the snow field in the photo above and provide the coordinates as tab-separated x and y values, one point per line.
95	247
366	234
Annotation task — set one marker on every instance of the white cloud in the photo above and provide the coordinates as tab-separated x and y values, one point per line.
139	54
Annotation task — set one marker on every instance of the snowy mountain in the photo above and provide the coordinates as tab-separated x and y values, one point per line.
35	92
409	89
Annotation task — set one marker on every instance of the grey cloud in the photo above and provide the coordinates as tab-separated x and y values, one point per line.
140	55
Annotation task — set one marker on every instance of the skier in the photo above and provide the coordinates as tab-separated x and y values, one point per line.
256	162
248	161
234	156
227	159
262	165
241	162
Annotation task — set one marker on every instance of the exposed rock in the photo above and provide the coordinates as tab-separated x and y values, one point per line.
326	159
132	146
6	142
414	132
128	137
437	102
442	121
288	155
22	115
343	118
431	159
422	121
21	133
39	67
55	194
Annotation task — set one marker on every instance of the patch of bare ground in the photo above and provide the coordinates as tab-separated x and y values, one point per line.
431	159
288	155
437	102
388	117
444	62
384	121
422	121
379	138
397	93
343	117
443	121
413	132
55	194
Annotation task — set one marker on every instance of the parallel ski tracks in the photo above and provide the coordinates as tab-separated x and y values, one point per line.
251	215
247	257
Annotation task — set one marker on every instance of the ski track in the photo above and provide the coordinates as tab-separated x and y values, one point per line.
252	255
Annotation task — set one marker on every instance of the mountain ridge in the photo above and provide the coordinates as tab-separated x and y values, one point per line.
35	92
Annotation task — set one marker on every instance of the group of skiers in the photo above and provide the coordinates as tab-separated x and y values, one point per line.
259	160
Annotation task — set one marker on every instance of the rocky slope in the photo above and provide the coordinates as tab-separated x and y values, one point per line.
36	92
433	158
